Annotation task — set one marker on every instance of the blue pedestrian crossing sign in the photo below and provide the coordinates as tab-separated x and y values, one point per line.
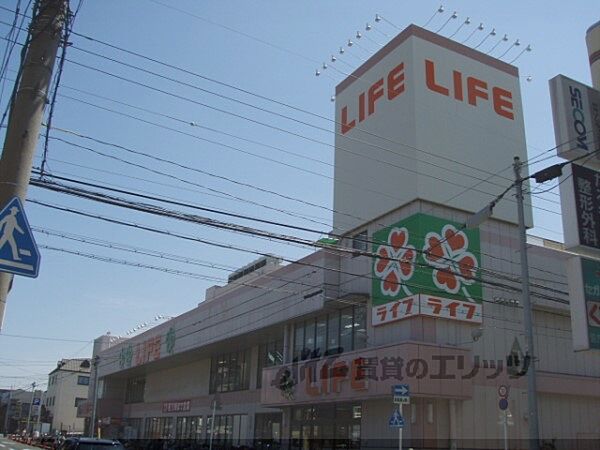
396	421
18	251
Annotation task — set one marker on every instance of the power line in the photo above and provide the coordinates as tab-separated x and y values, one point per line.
206	78
497	285
177	202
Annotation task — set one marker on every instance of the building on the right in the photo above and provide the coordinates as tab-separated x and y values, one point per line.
592	38
404	319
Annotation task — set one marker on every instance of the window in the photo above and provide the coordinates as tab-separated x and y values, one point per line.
339	331
360	328
159	428
79	401
333	334
359	241
228	430
189	428
270	354
134	391
132	427
267	431
230	372
83	380
336	426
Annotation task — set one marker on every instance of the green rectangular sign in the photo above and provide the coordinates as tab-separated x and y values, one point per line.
590	270
424	254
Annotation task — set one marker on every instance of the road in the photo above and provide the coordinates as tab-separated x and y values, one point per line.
7	444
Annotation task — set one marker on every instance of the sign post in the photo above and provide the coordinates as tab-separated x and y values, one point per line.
505	415
401	395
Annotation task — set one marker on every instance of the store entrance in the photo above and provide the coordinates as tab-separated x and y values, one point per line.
326	427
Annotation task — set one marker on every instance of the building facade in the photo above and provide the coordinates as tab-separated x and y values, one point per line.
67	389
21	407
307	354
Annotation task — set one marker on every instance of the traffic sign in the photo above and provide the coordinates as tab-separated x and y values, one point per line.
396	421
36	401
18	251
401	393
594	314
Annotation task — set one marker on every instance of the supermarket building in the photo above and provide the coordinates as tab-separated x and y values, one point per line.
305	355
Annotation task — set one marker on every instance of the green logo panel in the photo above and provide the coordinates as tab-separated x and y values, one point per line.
424	254
591	284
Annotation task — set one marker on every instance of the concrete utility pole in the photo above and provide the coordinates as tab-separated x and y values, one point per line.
95	399
527	315
39	415
6	417
27	110
30	406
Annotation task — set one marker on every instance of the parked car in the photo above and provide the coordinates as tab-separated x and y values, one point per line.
87	443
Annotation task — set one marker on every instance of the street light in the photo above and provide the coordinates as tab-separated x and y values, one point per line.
475	221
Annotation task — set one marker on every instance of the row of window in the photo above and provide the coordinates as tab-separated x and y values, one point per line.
82	380
49	401
228	429
230	372
134	392
336	332
329	334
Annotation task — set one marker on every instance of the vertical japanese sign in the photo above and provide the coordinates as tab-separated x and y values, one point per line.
426	266
584	294
580	198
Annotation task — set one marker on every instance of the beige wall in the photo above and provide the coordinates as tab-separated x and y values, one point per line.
64	391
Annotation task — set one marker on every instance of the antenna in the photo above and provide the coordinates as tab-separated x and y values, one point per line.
491	33
453	16
379	18
479	28
437	11
504	39
515	44
526	49
466	22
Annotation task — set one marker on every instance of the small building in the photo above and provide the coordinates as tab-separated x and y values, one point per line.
67	389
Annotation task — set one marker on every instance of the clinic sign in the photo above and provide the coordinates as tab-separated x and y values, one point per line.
584	295
426	265
576	112
580	200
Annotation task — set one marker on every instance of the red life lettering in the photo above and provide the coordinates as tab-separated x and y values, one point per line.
476	88
395	82
452	307
435	304
375	93
346	126
502	102
430	79
367	100
470	310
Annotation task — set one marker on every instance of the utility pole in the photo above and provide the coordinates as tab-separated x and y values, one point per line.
6	417
30	406
39	416
27	109
95	399
527	314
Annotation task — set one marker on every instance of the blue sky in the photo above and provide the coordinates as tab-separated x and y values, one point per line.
271	48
